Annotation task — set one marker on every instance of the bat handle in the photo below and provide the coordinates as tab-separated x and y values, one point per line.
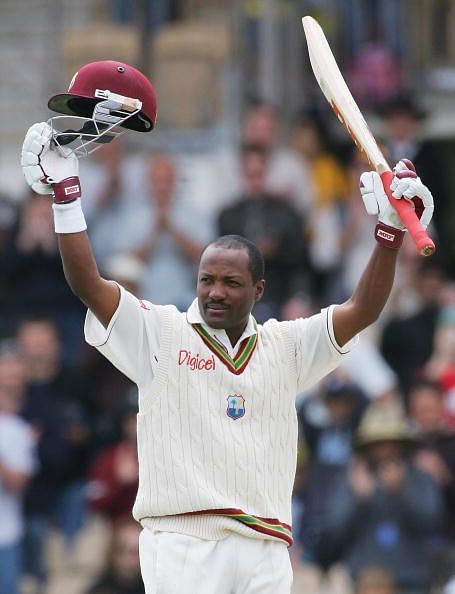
425	245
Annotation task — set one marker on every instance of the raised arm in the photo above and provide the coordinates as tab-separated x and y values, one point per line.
373	290
50	172
101	296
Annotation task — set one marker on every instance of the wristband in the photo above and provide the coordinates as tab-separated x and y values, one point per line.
387	236
67	190
69	218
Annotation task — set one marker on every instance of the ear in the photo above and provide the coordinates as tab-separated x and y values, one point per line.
259	290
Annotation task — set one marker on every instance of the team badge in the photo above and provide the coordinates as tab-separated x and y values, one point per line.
236	406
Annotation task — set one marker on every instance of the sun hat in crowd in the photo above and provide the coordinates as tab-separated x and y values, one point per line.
383	421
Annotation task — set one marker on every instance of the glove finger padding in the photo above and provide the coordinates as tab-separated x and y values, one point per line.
405	165
37	137
372	192
48	171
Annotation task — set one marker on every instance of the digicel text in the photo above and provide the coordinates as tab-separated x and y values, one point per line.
196	362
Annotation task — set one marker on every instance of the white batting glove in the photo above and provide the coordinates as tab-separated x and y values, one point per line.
406	184
47	171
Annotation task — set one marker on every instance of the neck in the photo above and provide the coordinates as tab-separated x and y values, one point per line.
235	333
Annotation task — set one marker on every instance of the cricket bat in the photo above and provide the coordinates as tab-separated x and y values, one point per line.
338	95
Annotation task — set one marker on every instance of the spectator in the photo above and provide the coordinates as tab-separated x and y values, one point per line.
435	452
287	175
275	227
386	509
115	200
407	341
175	238
17	464
326	216
328	435
122	574
114	475
32	269
54	405
403	136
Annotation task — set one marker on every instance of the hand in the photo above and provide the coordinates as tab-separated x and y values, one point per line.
432	463
49	170
406	184
362	481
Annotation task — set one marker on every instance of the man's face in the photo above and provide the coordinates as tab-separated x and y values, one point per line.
225	289
402	127
162	178
427	409
260	128
39	342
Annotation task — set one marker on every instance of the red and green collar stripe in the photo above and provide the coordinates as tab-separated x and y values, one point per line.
267	526
237	364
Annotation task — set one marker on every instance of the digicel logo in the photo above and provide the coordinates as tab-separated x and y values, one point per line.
196	362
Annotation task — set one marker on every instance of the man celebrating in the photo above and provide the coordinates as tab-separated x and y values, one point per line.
217	427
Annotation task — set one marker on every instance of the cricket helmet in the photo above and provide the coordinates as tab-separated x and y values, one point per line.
103	96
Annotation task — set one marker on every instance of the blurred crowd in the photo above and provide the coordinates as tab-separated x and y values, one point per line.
375	483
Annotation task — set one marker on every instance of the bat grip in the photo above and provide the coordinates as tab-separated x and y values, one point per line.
425	245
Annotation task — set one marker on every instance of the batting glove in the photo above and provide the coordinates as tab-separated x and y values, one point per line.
406	184
47	171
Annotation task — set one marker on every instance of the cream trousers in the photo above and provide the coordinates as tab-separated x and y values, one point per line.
174	563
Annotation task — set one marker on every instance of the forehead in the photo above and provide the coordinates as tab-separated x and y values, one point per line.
221	261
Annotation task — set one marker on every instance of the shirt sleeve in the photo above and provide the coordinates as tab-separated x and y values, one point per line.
316	350
132	339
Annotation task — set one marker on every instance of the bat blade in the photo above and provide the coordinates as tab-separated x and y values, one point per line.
339	96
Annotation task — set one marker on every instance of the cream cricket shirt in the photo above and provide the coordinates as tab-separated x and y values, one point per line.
217	425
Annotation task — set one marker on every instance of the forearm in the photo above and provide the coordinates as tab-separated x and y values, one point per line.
369	298
373	290
79	266
82	275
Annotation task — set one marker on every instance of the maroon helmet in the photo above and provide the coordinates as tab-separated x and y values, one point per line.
92	84
103	98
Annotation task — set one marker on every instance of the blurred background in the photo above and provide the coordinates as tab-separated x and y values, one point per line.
245	143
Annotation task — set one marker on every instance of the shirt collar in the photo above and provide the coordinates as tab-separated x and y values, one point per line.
193	316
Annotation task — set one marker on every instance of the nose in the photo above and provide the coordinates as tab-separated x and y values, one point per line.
217	292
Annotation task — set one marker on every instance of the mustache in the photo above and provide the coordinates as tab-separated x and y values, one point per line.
218	304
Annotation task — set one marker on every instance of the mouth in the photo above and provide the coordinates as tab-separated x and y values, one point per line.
216	307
